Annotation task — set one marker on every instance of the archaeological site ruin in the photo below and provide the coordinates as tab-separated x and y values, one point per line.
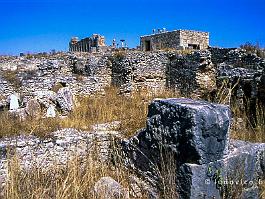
177	39
174	117
95	43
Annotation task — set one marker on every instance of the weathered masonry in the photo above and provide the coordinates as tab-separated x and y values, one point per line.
95	43
177	39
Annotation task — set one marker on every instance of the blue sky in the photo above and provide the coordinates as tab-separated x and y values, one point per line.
42	25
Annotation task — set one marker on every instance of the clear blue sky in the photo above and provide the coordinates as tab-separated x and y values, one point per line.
42	25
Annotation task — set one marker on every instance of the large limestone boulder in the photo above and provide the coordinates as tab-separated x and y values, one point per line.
193	136
33	108
13	102
197	129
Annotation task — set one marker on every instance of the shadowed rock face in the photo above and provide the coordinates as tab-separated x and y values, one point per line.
197	134
193	74
195	131
195	128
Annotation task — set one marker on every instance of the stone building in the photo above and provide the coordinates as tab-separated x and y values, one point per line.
177	39
95	43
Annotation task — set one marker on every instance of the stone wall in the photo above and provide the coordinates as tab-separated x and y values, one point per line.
139	70
161	41
195	38
178	39
192	75
196	74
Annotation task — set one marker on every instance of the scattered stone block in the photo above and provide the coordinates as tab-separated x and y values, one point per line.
13	99
196	133
65	99
33	108
51	111
108	188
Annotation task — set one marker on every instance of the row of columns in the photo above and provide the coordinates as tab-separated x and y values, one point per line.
80	47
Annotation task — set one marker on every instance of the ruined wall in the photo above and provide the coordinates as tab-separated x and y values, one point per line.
139	70
237	58
193	74
196	74
219	55
48	72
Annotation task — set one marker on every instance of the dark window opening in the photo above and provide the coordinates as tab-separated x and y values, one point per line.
194	46
147	45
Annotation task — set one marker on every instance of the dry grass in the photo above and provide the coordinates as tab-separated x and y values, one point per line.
167	176
130	111
12	125
12	78
262	188
251	48
76	180
243	127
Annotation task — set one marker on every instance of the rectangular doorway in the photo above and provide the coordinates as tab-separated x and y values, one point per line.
147	45
194	46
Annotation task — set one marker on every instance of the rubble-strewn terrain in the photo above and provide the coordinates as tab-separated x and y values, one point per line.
57	108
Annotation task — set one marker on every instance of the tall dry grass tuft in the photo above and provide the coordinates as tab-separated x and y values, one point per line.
248	119
246	126
167	176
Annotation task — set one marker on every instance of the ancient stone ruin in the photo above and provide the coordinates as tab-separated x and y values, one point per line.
190	134
95	43
177	39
